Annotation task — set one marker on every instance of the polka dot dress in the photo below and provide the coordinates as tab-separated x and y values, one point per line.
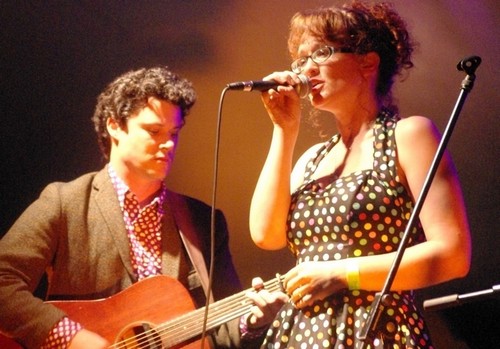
364	213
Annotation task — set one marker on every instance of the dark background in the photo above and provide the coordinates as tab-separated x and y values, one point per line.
56	57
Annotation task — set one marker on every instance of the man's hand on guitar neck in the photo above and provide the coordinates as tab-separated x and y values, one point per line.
86	339
267	304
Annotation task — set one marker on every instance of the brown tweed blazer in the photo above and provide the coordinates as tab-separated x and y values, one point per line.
76	231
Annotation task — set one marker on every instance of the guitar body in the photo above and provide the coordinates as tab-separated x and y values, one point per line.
122	317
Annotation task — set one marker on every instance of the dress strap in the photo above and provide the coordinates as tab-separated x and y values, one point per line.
313	163
384	145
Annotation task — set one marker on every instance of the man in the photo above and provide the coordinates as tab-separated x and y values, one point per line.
104	231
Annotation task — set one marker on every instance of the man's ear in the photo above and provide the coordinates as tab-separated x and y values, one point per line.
113	128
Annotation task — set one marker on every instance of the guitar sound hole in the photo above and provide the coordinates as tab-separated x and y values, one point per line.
139	335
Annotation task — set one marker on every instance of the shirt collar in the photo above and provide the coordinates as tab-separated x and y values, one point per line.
122	189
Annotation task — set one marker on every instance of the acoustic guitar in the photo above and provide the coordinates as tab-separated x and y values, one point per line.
157	312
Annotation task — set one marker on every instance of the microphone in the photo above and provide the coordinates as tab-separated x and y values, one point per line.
303	88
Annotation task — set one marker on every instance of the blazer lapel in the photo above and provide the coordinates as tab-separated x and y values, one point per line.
107	202
189	236
109	207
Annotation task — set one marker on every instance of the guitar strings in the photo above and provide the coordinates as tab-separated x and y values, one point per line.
187	320
215	318
183	328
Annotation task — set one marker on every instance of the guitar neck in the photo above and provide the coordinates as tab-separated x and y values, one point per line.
188	326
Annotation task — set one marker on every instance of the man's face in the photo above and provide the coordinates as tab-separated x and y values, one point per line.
144	148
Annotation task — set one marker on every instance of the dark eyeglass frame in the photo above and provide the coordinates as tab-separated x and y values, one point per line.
298	65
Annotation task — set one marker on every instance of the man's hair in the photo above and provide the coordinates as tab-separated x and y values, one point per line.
129	93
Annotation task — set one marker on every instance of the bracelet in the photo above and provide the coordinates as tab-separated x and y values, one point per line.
352	275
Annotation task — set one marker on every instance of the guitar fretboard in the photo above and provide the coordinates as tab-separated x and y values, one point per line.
190	325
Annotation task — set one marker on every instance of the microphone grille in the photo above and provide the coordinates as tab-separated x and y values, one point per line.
304	87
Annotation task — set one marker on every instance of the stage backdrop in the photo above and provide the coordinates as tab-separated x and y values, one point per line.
55	58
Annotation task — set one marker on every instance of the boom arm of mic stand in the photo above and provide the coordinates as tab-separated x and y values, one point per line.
382	298
459	299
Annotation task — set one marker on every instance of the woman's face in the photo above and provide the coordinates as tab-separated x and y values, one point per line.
337	82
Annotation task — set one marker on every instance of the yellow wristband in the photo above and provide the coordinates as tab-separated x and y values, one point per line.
352	275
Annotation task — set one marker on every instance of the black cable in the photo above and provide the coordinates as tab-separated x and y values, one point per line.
212	218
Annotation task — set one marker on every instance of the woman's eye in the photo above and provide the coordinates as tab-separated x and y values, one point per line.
321	53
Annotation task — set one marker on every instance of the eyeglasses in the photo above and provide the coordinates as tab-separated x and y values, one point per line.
318	56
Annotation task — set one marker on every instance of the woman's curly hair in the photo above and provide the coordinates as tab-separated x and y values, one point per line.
129	93
361	28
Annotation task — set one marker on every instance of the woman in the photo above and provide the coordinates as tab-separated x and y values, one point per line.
343	208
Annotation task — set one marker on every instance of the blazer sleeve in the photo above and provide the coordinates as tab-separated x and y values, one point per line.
26	251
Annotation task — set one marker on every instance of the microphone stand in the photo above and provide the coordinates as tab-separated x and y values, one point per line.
382	298
459	299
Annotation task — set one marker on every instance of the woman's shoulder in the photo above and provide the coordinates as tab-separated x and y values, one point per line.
415	124
415	128
416	137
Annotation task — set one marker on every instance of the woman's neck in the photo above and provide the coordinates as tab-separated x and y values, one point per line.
353	126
